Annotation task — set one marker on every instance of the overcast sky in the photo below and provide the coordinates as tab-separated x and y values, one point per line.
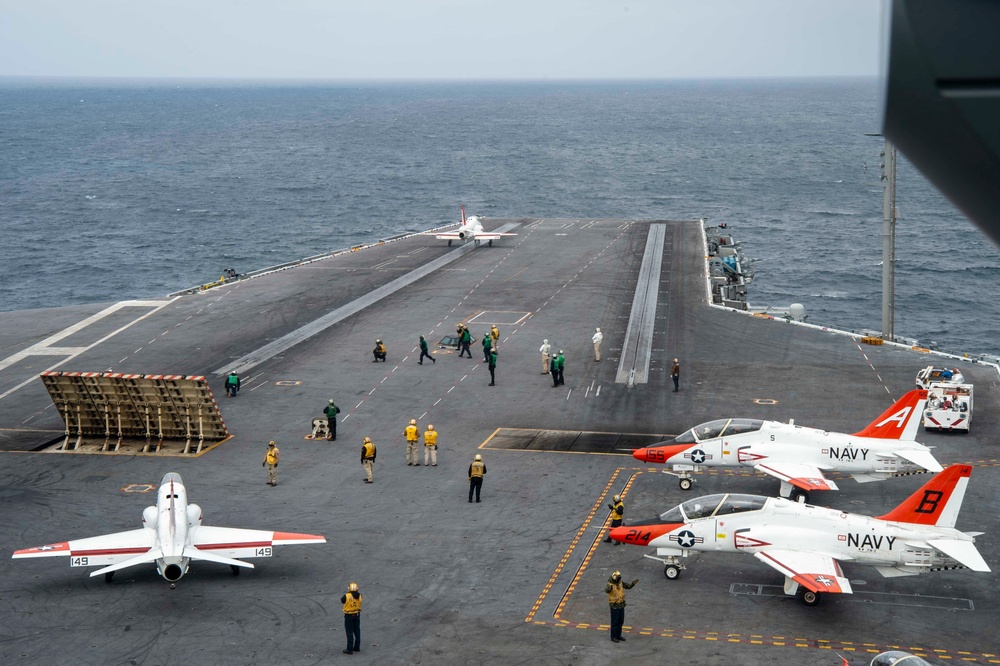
440	39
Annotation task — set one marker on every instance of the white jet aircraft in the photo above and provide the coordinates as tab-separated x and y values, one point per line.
470	229
807	543
799	456
171	536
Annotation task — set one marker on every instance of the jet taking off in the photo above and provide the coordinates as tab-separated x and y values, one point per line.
171	536
799	456
807	543
470	229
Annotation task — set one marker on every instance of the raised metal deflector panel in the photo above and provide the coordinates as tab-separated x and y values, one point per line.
146	412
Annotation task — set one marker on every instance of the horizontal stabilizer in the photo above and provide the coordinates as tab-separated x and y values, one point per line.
896	572
151	556
195	554
963	551
922	458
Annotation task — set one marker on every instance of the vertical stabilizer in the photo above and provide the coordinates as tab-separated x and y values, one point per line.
937	502
463	216
899	421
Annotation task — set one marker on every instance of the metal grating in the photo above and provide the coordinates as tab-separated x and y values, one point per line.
114	408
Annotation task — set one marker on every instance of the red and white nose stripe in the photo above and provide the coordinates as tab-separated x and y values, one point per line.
641	535
661	454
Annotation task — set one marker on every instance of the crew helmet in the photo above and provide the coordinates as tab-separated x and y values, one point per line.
545	341
479	458
271	443
353	587
331	401
618	498
413	422
368	440
378	342
616	576
430	427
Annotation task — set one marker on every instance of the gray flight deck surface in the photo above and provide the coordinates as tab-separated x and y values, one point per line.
518	578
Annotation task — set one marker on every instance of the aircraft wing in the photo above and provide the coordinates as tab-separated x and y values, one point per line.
480	235
97	551
236	542
922	458
800	475
813	571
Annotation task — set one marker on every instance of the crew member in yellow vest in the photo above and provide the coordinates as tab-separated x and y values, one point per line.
476	472
617	513
431	445
352	618
495	334
379	352
271	463
368	458
412	435
615	589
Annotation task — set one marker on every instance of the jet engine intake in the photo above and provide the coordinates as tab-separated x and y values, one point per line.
149	517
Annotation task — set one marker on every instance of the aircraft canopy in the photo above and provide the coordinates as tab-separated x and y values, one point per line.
713	505
718	428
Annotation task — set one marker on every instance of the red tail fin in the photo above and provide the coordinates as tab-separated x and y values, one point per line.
937	502
463	216
899	421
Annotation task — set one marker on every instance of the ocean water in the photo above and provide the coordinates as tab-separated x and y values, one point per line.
128	189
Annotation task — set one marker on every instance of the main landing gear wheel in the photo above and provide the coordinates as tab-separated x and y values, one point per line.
449	242
808	597
235	569
108	577
491	242
672	571
685	484
799	496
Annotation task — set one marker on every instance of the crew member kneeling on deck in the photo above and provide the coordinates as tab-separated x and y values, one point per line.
379	352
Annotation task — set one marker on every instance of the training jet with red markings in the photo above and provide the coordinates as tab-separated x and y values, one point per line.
807	543
171	537
799	456
471	229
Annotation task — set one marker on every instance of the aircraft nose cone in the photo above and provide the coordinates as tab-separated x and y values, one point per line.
641	535
661	454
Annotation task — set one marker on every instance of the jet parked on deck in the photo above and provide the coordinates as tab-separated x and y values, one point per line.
807	543
471	229
171	537
799	456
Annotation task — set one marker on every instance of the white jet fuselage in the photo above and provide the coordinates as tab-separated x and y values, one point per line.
787	525
783	442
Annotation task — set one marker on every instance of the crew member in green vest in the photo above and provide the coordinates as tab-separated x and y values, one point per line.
232	384
331	411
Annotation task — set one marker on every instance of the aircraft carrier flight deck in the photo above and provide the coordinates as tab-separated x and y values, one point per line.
519	577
